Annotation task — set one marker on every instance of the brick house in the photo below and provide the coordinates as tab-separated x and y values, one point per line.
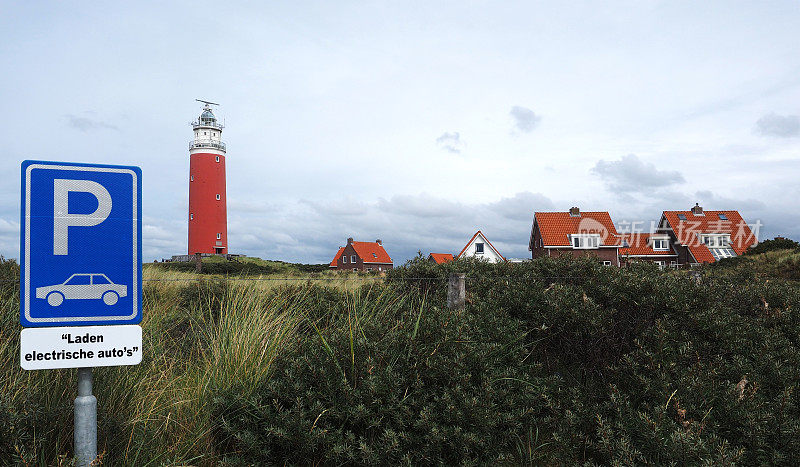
699	236
440	258
654	248
361	256
575	233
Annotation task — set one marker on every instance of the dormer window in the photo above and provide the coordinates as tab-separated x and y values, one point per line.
660	244
722	217
715	240
585	241
682	217
479	248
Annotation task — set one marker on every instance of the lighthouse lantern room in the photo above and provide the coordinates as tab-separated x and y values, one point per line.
208	219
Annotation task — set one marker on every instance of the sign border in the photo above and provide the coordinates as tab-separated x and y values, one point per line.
25	317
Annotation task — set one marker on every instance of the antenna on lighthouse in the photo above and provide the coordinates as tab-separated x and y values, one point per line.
206	102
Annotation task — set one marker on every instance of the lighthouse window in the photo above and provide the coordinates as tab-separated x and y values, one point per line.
218	196
217	158
191	216
191	178
219	235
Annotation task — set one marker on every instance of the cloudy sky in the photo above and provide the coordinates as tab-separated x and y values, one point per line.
414	122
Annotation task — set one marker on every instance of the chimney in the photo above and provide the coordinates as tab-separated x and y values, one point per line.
378	241
697	210
574	212
350	240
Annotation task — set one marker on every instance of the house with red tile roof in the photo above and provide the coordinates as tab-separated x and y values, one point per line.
362	256
650	247
440	258
700	236
575	233
480	247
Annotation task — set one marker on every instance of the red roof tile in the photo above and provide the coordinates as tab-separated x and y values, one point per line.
688	231
336	258
640	245
372	252
556	227
441	258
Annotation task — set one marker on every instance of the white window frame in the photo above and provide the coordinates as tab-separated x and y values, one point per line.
344	259
483	248
218	197
585	241
217	159
716	240
353	259
606	263
219	236
191	178
355	269
660	244
191	216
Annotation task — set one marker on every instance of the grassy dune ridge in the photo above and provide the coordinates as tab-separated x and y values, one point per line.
551	362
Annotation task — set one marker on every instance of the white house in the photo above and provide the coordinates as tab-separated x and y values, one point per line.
480	247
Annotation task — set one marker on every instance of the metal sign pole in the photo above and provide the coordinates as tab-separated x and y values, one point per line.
85	437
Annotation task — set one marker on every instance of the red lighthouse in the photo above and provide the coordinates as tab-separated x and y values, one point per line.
208	218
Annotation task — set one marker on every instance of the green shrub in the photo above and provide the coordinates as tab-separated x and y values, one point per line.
773	245
412	385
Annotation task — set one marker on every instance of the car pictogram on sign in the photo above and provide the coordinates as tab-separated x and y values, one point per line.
83	287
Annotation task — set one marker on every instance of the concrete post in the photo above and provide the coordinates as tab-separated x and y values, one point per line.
85	435
456	291
198	263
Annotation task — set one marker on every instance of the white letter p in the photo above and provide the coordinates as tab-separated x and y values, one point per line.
63	220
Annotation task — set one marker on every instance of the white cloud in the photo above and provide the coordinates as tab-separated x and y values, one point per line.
631	174
451	142
525	120
781	126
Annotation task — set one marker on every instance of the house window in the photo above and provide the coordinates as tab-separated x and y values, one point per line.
722	217
217	158
219	236
217	196
720	253
661	264
369	269
353	259
479	248
355	269
344	259
682	217
585	242
715	240
661	244
379	268
673	263
606	263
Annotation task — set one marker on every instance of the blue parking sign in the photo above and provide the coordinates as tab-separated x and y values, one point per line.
80	244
